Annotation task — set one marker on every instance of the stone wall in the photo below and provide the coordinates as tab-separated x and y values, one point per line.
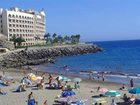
32	56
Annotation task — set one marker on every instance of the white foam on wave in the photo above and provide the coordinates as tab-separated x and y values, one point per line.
124	76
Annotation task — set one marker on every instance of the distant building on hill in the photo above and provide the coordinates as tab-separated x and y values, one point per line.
28	24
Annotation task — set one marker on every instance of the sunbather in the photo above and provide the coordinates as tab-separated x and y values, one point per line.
123	87
20	88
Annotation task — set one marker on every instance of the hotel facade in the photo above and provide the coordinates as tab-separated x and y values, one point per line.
28	24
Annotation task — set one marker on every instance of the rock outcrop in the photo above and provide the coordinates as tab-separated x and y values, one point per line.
32	56
4	43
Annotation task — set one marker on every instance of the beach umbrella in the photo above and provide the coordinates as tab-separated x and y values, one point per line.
68	93
113	93
134	91
103	90
77	80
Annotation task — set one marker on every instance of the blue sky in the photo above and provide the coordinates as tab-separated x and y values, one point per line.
95	20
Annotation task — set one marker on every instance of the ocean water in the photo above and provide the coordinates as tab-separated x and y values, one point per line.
118	56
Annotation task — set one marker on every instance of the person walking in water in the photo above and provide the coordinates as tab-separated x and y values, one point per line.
131	83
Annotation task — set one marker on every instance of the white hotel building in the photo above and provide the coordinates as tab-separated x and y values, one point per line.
27	24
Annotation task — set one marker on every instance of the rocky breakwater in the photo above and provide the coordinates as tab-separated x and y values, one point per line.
32	56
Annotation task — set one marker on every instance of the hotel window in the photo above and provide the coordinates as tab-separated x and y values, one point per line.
9	20
17	21
13	15
13	30
9	15
13	20
10	30
10	35
13	25
10	25
17	16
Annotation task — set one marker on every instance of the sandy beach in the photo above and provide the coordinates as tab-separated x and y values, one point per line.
88	89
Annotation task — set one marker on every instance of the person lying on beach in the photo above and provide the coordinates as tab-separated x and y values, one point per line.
123	87
20	88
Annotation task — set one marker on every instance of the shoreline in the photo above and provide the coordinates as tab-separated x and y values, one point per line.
39	72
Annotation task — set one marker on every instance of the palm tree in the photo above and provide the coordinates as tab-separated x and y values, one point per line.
73	39
78	38
60	38
47	37
67	39
19	40
54	35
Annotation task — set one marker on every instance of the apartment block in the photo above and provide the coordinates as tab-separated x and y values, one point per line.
28	24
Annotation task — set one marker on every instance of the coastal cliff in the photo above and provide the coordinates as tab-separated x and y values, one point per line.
33	56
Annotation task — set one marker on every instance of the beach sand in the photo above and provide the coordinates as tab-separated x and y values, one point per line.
88	88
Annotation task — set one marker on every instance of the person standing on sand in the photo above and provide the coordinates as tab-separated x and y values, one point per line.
31	99
50	79
103	77
98	76
131	83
